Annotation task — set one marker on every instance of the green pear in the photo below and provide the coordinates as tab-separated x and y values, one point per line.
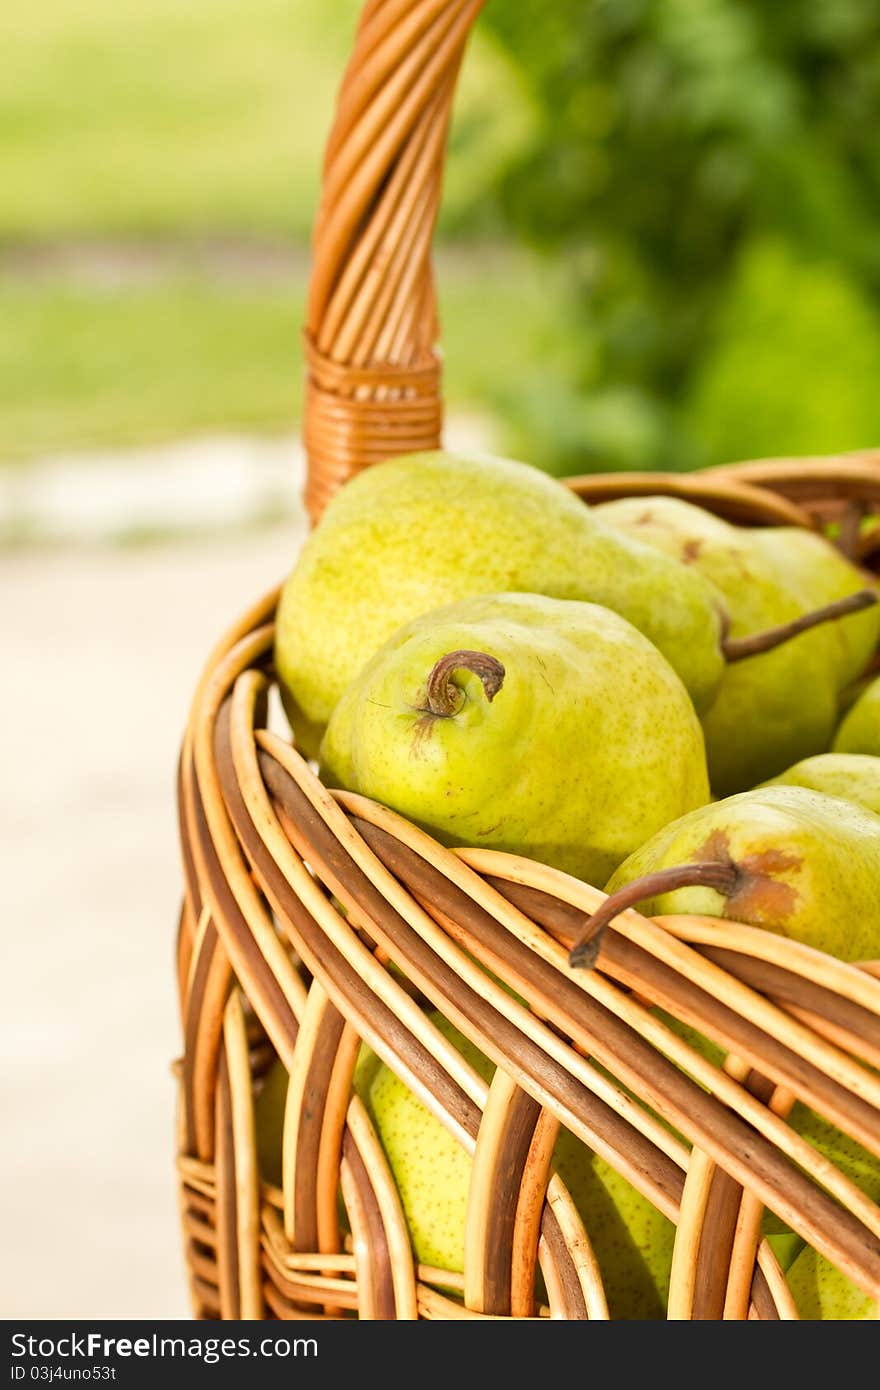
807	563
811	565
269	1104
823	1293
633	1241
780	706
431	1168
417	532
788	859
546	727
859	730
851	776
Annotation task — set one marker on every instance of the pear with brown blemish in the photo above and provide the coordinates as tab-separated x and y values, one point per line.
545	727
788	859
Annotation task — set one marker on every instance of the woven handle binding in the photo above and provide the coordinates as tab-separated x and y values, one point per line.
373	376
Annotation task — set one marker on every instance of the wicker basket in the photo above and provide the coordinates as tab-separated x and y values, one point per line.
296	899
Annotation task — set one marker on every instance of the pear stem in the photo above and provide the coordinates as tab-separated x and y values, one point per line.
444	698
737	648
712	874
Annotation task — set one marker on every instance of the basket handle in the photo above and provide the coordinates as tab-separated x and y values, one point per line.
373	376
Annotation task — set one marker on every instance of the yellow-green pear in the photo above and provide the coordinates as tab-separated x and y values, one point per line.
823	1293
632	1240
810	564
859	730
431	1168
545	727
781	705
788	859
269	1106
417	532
852	776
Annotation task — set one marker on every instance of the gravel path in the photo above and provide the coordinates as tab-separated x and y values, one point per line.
101	652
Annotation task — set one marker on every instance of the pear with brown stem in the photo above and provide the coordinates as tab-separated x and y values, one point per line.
780	707
787	859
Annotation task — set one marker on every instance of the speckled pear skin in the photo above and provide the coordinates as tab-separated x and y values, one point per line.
807	563
632	1240
425	530
857	1162
823	1293
432	1170
859	730
851	776
590	745
809	866
666	522
814	568
771	710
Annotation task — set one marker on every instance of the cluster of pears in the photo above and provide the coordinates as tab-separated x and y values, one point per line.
639	694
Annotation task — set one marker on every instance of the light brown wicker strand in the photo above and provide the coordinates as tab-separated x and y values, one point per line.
371	300
591	983
186	931
706	1234
364	276
248	1294
830	477
307	909
362	1150
848	1041
840	977
210	983
692	969
747	1236
488	1032
247	932
503	1142
779	1057
574	1235
813	1199
686	1249
227	1241
859	1028
378	874
829	1013
332	1134
320	1030
526	1236
730	498
756	1113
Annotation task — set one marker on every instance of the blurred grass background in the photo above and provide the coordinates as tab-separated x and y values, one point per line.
658	245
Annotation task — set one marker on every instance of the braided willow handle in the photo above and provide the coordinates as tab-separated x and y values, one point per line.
373	377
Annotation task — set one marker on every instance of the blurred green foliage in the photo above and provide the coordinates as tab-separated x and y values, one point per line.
701	179
707	172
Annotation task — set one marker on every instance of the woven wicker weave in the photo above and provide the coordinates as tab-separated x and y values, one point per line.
296	899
